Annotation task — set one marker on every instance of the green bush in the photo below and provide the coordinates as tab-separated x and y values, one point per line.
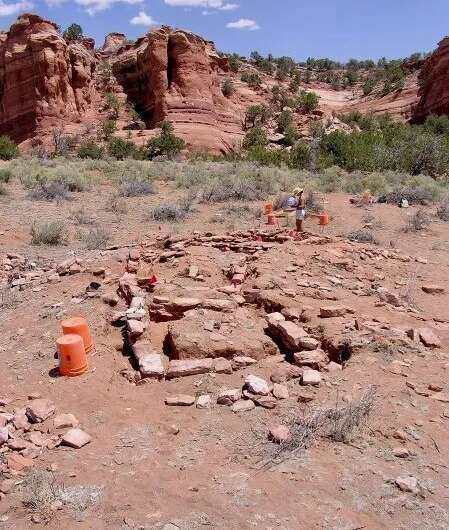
299	156
290	134
120	149
228	88
89	149
166	144
437	124
5	176
256	115
284	120
112	103
252	79
8	148
308	101
108	128
255	137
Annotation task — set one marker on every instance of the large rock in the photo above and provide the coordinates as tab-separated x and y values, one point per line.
316	359
38	410
288	333
428	338
44	80
257	385
76	438
187	339
151	363
185	367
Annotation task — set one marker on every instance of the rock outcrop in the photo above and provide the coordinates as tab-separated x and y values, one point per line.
42	78
112	41
434	84
175	75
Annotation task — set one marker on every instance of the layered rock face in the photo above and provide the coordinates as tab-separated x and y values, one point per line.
41	77
112	41
175	75
434	84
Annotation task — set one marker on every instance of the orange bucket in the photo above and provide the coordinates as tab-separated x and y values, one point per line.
78	326
271	220
268	208
324	219
72	355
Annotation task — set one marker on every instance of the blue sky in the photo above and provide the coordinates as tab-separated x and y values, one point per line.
338	29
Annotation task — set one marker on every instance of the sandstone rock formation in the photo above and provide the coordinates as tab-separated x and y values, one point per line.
434	80
42	78
112	41
174	75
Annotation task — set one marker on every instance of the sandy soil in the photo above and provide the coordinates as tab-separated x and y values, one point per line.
209	475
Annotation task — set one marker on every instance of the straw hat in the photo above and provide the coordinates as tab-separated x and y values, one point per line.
298	191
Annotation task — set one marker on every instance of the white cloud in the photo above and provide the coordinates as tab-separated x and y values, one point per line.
94	6
142	19
11	9
244	23
222	5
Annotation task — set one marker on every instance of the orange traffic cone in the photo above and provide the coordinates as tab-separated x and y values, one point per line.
268	208
78	326
72	355
271	219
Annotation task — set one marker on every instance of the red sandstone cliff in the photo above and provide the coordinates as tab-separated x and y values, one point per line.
434	84
41	77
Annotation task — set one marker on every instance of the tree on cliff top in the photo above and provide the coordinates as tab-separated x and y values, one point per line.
73	32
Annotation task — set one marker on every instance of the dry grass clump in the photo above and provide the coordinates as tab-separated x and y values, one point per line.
96	238
338	423
136	188
167	213
48	233
116	204
443	209
420	220
363	236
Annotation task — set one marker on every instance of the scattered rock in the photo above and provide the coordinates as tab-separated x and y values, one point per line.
244	405
280	391
229	396
316	359
17	462
76	438
204	402
333	311
311	377
180	400
4	435
135	328
280	434
433	289
257	385
428	338
65	421
222	366
401	452
407	484
186	367
390	298
39	410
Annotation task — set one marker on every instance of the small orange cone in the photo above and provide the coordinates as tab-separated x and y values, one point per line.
72	355
78	326
268	208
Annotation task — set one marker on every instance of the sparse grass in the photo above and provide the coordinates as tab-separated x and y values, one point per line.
53	190
48	233
167	213
116	204
338	423
242	211
3	190
418	221
80	217
312	203
96	238
280	201
443	209
363	236
136	188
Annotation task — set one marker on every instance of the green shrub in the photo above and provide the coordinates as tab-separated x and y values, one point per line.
252	79
5	176
268	157
368	86
48	233
108	128
256	115
49	190
437	124
299	156
443	209
136	188
166	144
112	103
228	88
8	148
168	213
234	62
284	119
308	101
255	137
120	149
90	149
290	134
